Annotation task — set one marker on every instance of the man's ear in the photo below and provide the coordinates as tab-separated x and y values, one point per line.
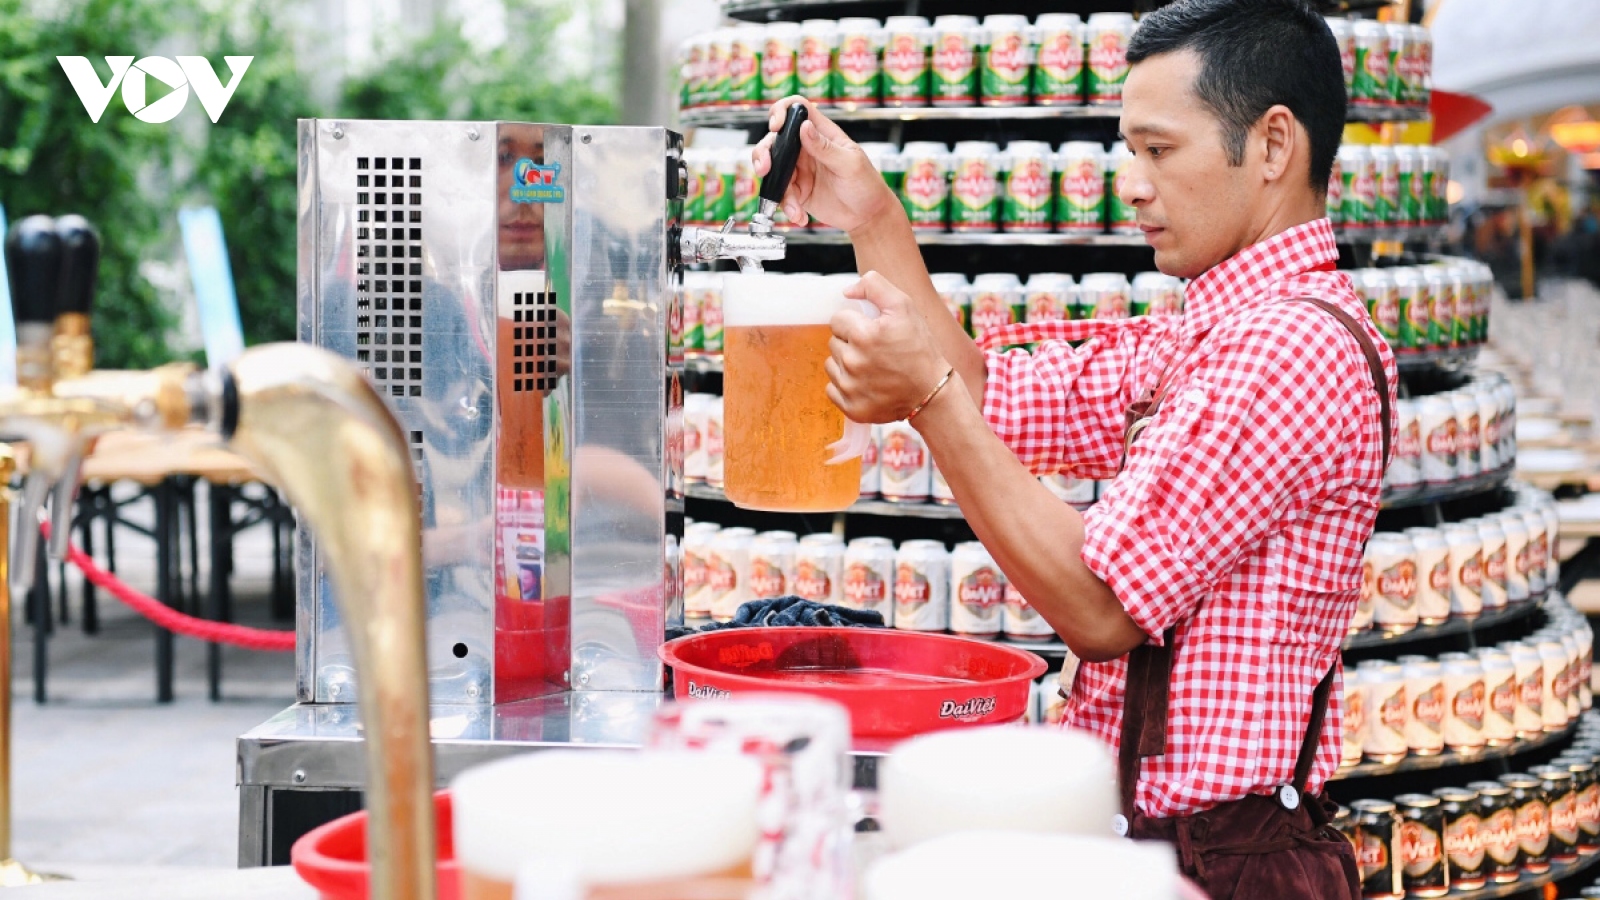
1278	136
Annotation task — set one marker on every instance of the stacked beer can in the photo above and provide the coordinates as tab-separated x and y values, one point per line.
1453	436
1378	186
1058	59
1426	576
1439	306
1386	64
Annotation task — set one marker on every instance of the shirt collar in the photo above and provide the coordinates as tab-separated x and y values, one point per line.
1239	281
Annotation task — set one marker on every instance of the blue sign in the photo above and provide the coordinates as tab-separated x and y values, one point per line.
218	306
8	328
533	182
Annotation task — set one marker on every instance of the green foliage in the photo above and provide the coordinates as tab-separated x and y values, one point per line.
131	177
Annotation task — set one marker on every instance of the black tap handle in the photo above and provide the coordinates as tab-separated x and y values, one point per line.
785	153
33	267
80	263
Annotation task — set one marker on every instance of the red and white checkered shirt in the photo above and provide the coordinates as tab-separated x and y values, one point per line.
1241	511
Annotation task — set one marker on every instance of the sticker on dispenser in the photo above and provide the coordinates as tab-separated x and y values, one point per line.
536	183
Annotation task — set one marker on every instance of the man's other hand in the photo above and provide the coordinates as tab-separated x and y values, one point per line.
881	368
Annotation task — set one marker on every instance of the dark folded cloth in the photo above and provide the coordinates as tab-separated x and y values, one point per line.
788	612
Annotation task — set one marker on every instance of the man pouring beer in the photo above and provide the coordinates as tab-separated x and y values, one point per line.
1209	590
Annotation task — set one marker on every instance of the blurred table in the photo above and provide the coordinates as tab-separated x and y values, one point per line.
170	883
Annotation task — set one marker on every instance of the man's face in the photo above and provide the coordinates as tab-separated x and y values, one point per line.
1194	208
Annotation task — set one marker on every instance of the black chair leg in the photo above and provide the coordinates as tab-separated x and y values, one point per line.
39	604
220	500
166	583
192	507
92	508
282	563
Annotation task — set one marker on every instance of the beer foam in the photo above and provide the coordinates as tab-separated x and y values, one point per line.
617	817
1070	788
767	300
1022	866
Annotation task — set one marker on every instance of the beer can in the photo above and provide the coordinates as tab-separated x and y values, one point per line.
780	67
1436	165
694	427
1168	299
1441	332
996	302
1529	719
691	65
1494	562
1532	811
1502	851
1359	190
857	67
940	492
1344	37
712	441
1103	295
1586	674
1361	619
721	172
1466	698
1563	800
1433	574
707	290
1421	846
696	552
1029	168
1538	548
956	292
1333	206
1436	415
956	40
1421	79
1378	288
715	81
746	187
1500	707
1146	292
1081	187
814	60
1425	692
1466	569
904	465
1048	297
1078	492
672	578
1059	73
1552	690
1386	186
1020	621
1394	566
1461	325
1107	35
869	576
1408	176
1388	711
772	564
1121	217
1575	707
922	586
694	200
925	191
744	66
975	187
1588	790
977	592
1552	531
1463	838
1344	822
1376	823
1419	329
819	569
1516	532
1399	91
1489	420
1405	463
1370	81
871	473
1006	59
1355	717
728	571
907	41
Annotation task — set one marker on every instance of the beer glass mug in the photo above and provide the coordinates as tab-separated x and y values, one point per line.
606	825
787	447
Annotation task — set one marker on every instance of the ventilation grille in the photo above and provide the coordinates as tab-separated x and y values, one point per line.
389	272
533	341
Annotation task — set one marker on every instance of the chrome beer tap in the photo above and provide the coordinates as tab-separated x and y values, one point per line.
312	426
759	243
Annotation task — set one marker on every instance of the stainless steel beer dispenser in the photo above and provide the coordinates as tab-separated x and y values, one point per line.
508	288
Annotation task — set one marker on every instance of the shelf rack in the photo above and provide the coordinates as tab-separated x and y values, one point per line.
757	116
1455	758
1509	613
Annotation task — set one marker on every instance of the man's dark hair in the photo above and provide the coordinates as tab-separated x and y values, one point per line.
1256	54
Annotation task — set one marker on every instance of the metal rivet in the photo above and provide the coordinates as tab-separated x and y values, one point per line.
472	134
299	776
587	138
338	133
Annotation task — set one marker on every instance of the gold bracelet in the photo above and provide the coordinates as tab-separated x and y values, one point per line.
931	394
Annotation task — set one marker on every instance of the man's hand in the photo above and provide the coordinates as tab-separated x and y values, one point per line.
833	179
880	369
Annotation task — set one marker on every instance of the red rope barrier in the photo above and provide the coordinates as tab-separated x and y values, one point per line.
169	618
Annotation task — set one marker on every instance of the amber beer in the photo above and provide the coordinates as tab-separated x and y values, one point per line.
783	444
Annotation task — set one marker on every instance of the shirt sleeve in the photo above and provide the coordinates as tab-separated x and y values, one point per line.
1061	407
1239	447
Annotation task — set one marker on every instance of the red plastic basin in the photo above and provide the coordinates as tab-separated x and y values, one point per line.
895	683
333	857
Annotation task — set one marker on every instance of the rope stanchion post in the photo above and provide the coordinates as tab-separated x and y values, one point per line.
12	873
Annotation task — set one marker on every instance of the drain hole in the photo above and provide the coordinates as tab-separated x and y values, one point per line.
460	650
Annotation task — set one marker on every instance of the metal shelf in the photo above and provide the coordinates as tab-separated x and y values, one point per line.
981	239
795	10
755	117
1525	884
1410	234
1453	758
1424	360
1511	612
860	507
1466	487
